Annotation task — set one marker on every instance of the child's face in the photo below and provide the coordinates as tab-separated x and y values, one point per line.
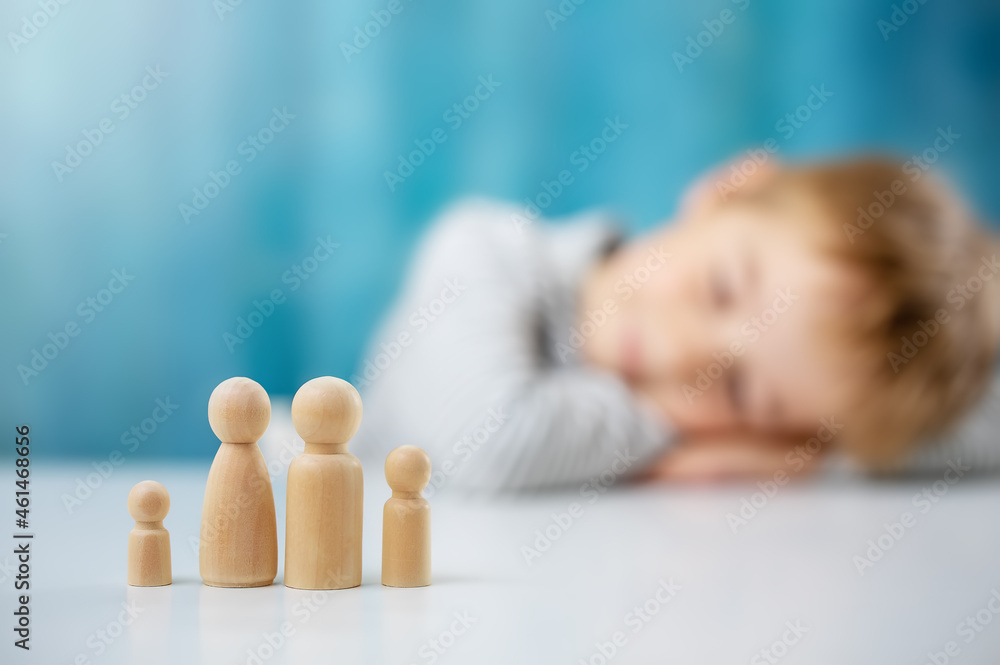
726	332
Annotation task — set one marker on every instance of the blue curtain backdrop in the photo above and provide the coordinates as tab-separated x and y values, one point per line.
113	114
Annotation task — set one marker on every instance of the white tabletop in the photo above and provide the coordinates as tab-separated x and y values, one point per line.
787	581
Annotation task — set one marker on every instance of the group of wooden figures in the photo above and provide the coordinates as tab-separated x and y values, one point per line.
238	546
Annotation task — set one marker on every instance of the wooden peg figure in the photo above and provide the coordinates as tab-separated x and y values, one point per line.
239	534
325	489
406	520
149	542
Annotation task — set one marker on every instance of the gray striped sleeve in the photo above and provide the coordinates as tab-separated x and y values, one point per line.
475	387
975	439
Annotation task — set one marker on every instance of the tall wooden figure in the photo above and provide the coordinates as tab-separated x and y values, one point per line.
325	489
239	534
406	520
148	542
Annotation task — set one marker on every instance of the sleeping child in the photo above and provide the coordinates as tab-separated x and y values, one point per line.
837	310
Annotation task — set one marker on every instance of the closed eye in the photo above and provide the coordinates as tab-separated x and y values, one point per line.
720	290
735	389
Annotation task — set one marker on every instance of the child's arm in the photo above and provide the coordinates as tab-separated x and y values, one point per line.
733	456
479	386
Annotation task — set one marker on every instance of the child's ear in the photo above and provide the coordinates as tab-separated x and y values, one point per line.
740	174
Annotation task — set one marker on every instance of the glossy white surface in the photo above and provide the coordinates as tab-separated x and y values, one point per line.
792	562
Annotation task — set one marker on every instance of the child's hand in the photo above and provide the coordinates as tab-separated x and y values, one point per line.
718	457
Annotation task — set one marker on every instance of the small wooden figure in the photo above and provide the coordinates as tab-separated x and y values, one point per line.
325	489
239	534
149	542
406	520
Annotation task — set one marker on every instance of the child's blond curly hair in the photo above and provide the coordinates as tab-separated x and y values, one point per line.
928	322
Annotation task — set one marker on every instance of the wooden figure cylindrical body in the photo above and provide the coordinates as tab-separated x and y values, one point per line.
149	555
406	519
323	523
406	541
239	533
148	543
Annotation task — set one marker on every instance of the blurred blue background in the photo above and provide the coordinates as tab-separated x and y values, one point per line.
225	68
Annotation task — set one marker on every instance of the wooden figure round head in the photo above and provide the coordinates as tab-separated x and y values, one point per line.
326	410
239	410
408	469
148	502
